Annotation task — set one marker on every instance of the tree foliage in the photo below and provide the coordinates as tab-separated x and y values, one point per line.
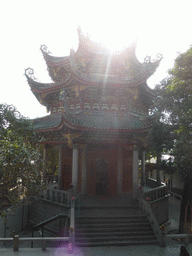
176	102
160	141
20	158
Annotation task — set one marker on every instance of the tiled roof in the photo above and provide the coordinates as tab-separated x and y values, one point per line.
96	121
109	121
47	122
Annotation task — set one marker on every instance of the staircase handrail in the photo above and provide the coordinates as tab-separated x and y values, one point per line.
49	220
146	206
152	183
155	193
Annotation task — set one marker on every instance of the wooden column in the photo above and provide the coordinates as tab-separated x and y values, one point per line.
84	170
143	168
75	162
135	171
44	163
119	169
60	167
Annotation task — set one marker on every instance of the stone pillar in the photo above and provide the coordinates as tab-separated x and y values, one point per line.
75	162
84	170
60	168
119	169
143	168
44	163
135	171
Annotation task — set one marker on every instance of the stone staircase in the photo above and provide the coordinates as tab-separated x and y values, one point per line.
116	221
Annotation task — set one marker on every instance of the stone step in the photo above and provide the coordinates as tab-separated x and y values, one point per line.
93	201
106	225
115	237
90	231
116	234
117	243
111	219
109	224
108	212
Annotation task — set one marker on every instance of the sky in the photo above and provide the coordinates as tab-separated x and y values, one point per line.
157	26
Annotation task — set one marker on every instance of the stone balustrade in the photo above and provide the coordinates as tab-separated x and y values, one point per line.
156	193
57	196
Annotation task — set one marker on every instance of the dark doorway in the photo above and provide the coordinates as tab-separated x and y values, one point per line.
102	182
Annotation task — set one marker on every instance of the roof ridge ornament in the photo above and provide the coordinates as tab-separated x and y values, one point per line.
45	50
29	73
158	57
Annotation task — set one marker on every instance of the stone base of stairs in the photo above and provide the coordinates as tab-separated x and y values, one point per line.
111	222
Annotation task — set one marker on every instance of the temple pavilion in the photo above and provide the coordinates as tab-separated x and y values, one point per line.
100	115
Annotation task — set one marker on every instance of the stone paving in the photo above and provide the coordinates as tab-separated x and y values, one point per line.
101	251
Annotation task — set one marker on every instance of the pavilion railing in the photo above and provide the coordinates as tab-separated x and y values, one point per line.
156	193
151	183
46	222
16	239
57	196
152	201
146	206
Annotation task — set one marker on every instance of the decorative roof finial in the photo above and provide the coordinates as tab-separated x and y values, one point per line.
29	73
44	49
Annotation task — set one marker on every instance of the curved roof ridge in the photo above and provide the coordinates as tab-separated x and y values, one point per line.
103	78
50	58
33	81
53	121
107	122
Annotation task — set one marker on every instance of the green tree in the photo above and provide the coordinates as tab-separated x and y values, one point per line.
20	158
168	166
176	95
160	141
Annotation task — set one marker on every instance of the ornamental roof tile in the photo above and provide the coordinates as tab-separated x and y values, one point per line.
95	121
47	122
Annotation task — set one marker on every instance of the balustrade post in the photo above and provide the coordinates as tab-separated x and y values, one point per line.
16	243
